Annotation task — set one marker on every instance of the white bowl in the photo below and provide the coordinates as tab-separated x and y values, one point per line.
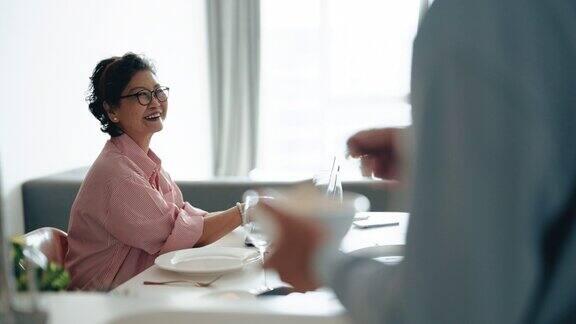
306	201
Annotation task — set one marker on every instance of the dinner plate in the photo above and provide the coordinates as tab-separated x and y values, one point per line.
209	259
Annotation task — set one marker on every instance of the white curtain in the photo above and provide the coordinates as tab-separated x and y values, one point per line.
234	56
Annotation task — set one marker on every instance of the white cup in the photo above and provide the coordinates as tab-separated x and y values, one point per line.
305	201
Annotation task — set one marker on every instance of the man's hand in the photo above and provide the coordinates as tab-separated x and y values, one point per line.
293	255
379	150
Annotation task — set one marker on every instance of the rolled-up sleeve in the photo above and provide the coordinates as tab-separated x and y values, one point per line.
140	216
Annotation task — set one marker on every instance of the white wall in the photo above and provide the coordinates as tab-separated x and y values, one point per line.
47	52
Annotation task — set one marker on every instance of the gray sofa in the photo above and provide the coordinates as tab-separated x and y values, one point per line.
47	200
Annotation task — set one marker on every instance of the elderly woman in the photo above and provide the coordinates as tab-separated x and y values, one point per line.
128	210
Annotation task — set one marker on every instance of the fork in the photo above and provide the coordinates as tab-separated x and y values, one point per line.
197	284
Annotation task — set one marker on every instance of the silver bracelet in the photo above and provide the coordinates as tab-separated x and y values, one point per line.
241	210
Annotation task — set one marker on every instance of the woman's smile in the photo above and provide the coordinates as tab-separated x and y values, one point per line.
153	117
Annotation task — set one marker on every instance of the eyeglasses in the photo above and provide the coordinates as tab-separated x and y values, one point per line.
144	96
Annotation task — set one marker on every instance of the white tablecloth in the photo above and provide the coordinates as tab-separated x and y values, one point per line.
187	304
373	242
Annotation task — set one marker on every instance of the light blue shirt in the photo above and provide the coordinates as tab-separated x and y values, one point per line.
494	110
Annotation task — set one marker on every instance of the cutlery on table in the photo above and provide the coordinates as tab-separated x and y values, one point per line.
197	284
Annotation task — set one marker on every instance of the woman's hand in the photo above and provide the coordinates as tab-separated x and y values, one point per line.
249	213
380	151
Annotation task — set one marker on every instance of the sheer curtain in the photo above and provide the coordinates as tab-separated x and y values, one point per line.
233	33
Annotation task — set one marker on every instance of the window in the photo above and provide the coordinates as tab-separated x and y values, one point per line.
330	68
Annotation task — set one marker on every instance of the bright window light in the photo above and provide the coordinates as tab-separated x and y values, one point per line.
330	68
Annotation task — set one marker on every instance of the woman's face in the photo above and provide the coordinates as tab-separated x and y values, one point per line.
137	120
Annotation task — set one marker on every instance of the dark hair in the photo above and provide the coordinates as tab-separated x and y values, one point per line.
107	82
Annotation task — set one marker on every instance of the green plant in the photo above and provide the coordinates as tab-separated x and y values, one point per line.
53	277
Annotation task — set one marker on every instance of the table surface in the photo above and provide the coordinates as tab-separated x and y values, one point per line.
371	241
184	303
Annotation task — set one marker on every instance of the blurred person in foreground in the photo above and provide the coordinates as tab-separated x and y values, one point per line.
492	233
128	210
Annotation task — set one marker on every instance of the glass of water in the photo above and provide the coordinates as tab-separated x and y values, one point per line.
253	227
329	183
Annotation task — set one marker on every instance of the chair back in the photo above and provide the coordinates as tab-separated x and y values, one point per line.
52	242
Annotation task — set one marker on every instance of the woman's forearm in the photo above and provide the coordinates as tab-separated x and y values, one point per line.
218	224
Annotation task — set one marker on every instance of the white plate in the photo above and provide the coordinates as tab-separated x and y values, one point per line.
209	259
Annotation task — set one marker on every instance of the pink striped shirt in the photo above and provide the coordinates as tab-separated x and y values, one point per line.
127	212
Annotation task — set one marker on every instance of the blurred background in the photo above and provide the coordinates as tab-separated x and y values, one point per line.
264	90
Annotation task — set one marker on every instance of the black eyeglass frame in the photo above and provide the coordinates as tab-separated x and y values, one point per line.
154	93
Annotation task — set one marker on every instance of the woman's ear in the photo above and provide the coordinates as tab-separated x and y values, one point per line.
111	113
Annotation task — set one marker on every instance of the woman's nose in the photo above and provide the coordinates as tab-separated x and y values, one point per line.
154	102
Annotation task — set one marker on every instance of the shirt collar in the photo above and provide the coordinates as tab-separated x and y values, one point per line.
148	163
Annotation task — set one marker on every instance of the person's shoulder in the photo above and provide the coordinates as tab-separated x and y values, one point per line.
470	21
498	34
457	22
112	167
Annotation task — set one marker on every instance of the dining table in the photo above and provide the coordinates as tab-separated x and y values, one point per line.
377	242
233	297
